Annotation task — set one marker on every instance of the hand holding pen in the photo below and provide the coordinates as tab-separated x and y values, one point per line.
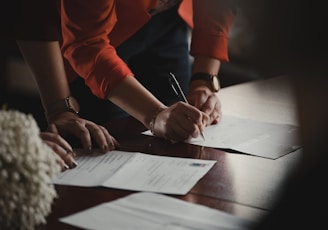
178	122
178	91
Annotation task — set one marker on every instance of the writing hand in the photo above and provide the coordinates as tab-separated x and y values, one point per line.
179	122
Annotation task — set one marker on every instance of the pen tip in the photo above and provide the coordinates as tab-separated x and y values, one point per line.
202	136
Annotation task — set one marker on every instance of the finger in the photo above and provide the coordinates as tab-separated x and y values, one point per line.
62	164
210	104
65	160
198	98
52	128
188	119
70	161
198	103
112	142
193	114
78	129
56	138
218	118
213	108
99	136
183	129
60	161
175	134
205	120
63	154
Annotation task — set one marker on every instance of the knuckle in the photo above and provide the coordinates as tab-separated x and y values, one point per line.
84	131
56	148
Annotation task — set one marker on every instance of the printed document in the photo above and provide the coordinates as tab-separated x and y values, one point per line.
136	171
149	211
254	137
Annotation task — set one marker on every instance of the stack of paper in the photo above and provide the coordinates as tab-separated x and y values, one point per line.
149	211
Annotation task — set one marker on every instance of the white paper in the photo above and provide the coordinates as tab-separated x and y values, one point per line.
248	136
271	100
149	211
136	171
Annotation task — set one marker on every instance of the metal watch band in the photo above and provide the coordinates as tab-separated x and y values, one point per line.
68	104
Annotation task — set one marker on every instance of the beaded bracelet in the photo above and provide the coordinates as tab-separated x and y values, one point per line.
153	119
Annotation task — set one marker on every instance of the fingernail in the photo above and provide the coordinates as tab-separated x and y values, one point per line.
89	149
72	153
66	166
116	143
75	163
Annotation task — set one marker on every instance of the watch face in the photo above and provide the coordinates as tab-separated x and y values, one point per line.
215	83
212	80
73	105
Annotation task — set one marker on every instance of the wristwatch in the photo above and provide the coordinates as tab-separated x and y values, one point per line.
68	104
212	80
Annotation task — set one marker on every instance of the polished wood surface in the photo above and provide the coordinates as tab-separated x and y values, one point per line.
240	184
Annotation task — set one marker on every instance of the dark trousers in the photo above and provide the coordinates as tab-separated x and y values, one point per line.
160	47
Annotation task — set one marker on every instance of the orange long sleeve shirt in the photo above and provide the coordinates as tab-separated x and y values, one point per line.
92	30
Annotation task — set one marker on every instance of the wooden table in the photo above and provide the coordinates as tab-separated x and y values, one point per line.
240	184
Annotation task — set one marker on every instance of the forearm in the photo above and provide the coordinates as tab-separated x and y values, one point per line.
206	64
46	63
138	102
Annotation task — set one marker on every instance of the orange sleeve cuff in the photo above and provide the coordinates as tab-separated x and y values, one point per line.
107	75
210	45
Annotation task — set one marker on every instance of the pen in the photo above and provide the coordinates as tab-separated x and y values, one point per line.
178	91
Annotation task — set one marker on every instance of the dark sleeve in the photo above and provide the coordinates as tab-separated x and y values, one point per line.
37	20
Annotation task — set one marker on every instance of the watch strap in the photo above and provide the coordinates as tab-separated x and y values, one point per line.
68	104
211	79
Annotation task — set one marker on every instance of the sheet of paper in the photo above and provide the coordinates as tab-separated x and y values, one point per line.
268	99
136	171
149	211
248	136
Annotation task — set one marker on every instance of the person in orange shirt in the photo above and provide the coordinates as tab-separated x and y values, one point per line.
119	55
123	51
